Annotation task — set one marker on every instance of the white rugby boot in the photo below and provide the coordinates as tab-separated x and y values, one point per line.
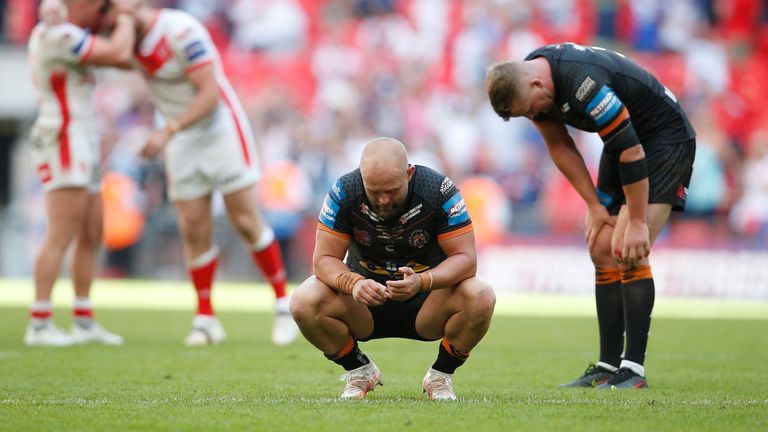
438	386
360	381
93	332
284	328
206	330
45	333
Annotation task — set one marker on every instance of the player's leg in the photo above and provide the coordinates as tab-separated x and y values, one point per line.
83	267
196	229
461	316
65	209
333	322
638	294
244	214
610	313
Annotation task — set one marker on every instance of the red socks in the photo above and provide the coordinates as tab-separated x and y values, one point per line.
269	259
202	271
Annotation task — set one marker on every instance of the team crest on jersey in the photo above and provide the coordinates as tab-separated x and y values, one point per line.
446	186
418	238
410	214
44	171
586	86
364	209
361	236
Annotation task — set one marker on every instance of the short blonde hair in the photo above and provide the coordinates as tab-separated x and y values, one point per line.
503	83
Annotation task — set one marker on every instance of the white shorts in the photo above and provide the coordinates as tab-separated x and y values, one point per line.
215	155
69	159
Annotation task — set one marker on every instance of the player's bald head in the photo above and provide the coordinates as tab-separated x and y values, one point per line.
383	157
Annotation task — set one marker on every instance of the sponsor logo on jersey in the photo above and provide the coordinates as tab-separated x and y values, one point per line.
586	86
361	236
230	179
604	106
338	190
389	248
565	107
328	212
456	210
410	214
364	209
44	171
446	186
194	50
418	238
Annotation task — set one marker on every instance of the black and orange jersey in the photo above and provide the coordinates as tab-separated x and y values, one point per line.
434	210
599	90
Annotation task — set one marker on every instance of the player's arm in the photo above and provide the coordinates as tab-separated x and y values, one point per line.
562	149
615	128
328	262
115	51
206	98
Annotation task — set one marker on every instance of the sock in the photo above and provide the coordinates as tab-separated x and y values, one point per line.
638	292
267	256
350	357
40	312
636	368
82	312
202	270
448	358
610	314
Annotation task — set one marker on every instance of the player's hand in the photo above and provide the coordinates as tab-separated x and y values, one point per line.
53	12
405	288
156	143
369	292
636	244
597	216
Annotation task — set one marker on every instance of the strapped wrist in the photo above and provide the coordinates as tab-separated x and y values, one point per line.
346	281
427	280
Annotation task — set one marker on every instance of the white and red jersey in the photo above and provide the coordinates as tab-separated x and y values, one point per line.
64	84
175	44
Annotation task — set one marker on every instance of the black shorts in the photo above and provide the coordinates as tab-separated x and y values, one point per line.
669	172
397	319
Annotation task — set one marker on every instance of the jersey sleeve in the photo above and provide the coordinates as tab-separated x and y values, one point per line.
192	44
590	94
69	43
335	213
453	218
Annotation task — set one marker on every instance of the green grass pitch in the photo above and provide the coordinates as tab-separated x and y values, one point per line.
705	374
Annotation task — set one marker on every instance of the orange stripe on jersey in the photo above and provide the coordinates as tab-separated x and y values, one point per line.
59	85
455	233
635	274
322	227
243	144
614	124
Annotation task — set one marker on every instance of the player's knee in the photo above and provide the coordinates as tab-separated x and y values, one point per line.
601	254
481	300
245	226
306	302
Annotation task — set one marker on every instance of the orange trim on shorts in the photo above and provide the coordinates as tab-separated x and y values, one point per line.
455	233
347	348
614	124
636	274
605	276
322	227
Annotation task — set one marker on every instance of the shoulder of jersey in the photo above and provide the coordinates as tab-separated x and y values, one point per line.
432	186
347	187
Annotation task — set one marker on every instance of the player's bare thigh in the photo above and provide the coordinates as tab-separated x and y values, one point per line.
314	298
441	304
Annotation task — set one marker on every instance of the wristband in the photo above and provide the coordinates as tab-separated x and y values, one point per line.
173	126
345	281
426	281
633	172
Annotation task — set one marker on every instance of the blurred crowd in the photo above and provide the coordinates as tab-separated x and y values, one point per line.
319	78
